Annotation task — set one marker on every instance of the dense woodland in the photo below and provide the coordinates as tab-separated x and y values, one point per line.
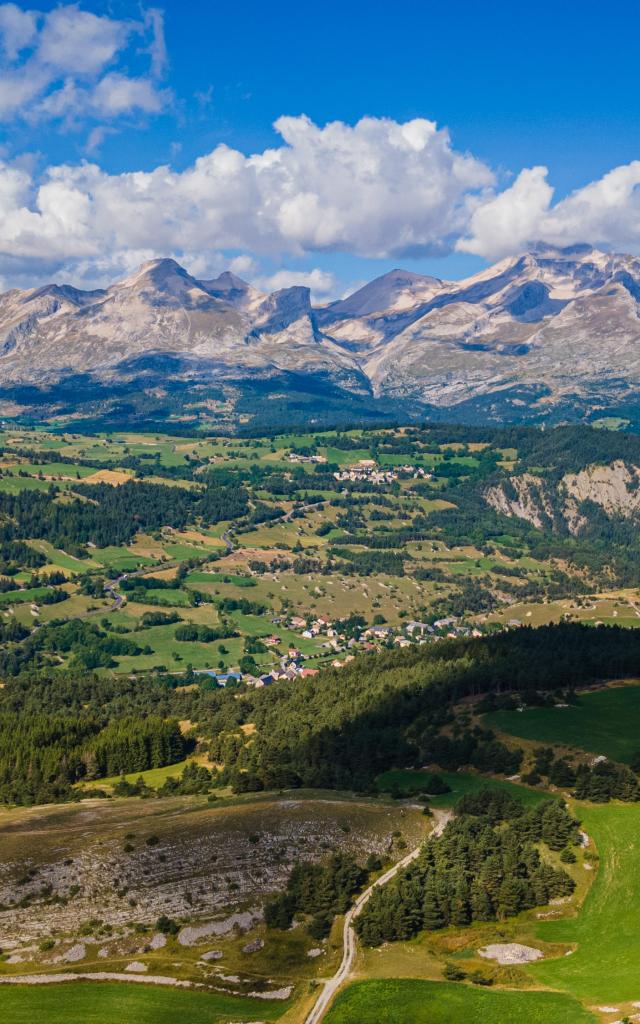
336	730
105	515
489	863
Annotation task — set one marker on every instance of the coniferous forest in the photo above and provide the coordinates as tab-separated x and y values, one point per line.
336	730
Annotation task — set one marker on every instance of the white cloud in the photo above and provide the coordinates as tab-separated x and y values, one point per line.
506	222
18	29
323	285
154	20
117	94
79	43
605	213
64	65
378	188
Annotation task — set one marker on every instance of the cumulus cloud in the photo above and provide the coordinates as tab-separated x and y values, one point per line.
378	188
322	284
64	64
506	222
605	213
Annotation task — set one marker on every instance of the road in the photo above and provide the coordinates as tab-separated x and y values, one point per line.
349	945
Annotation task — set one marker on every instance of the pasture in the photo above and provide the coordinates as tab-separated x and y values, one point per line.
406	782
605	933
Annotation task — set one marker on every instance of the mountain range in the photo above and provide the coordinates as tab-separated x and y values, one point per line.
549	332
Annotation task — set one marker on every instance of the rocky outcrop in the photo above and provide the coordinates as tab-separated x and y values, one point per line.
614	488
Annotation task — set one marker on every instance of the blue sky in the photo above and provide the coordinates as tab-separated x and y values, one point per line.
535	107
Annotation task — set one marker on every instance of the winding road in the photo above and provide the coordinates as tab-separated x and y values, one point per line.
348	934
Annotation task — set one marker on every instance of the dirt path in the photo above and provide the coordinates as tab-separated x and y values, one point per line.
349	944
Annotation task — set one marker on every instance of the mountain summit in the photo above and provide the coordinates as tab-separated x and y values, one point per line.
548	327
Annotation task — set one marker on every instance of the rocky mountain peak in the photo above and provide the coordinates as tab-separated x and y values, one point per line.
554	325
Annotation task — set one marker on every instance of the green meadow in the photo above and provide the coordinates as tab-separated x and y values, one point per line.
121	1003
604	722
408	1001
606	931
460	783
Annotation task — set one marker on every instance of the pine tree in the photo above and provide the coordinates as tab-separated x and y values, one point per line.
481	906
432	917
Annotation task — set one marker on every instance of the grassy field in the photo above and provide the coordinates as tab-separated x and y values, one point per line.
153	777
408	1001
604	722
606	932
115	1003
23	596
460	783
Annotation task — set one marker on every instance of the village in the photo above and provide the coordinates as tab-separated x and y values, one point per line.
366	469
343	643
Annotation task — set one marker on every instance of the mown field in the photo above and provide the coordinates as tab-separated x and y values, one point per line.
405	782
605	934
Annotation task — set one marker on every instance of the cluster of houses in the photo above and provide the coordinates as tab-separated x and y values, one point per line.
368	469
371	638
318	459
290	669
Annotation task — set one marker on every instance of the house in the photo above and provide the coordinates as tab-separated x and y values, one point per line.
228	678
297	622
305	673
380	632
443	623
267	680
294	653
271	641
308	635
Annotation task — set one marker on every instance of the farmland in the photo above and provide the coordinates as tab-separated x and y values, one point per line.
427	1002
112	1003
299	546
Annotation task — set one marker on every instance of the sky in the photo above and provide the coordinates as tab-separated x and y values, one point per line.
312	144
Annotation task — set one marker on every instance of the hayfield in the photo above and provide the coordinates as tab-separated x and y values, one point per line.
606	931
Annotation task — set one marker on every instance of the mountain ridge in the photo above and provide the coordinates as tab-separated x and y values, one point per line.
556	325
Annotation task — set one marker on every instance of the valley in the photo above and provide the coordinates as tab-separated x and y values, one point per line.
242	678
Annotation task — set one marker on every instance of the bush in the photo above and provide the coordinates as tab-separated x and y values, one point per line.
166	925
453	973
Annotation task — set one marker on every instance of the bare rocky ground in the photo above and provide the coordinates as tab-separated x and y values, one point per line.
101	869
